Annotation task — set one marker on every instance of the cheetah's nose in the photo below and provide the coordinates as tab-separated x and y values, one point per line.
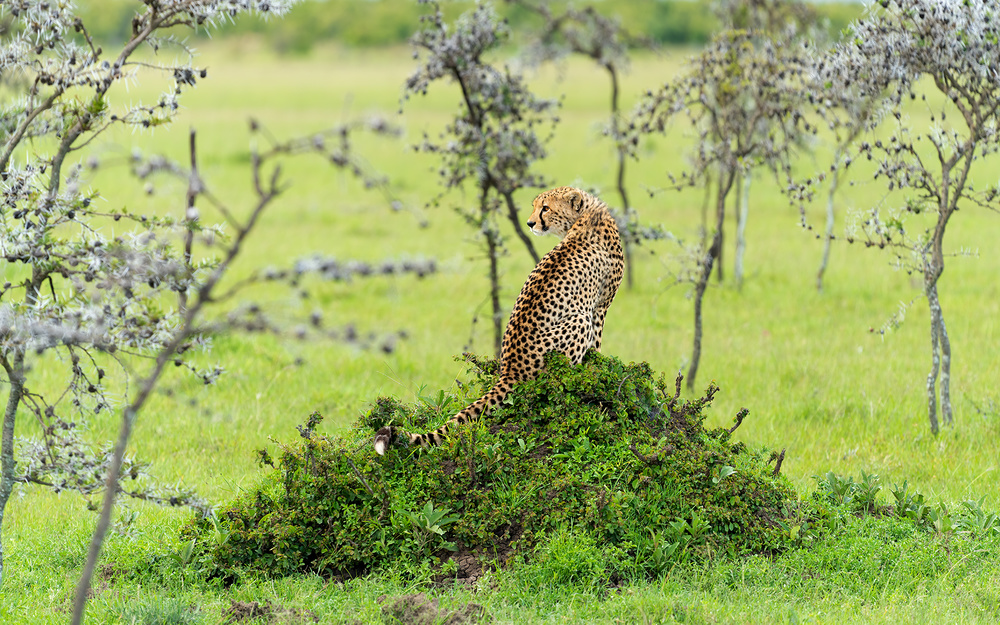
531	224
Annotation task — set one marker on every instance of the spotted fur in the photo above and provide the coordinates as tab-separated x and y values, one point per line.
561	306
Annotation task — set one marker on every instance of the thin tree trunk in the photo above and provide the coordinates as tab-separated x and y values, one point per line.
717	240
626	208
699	296
104	521
266	194
743	192
629	217
940	345
495	294
736	215
941	362
946	413
932	377
190	213
828	235
493	250
15	374
704	210
111	485
937	315
712	256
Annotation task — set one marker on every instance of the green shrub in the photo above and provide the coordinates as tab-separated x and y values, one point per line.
605	448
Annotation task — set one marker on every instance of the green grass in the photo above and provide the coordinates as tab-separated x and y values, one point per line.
816	380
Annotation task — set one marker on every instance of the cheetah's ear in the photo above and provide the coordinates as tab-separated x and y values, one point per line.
575	199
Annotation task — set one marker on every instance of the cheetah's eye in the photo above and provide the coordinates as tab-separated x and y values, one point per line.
544	208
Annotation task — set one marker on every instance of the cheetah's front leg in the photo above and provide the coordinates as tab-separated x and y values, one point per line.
599	327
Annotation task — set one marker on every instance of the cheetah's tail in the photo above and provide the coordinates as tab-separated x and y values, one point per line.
389	435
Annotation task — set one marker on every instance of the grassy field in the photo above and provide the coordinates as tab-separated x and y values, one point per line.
817	380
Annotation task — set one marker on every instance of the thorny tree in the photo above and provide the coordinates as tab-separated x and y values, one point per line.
493	140
785	23
604	41
795	22
97	305
67	289
743	96
190	325
894	54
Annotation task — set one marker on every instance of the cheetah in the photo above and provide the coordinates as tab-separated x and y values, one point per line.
561	306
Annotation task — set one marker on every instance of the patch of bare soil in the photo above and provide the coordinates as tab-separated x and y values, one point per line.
473	563
252	611
418	609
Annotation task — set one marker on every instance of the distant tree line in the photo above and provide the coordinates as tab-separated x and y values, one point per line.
393	22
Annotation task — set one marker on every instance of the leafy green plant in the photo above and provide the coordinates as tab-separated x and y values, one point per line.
835	488
721	473
655	553
910	505
844	491
972	519
428	527
438	403
866	491
940	519
801	529
182	557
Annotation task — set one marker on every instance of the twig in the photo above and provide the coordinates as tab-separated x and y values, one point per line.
618	394
777	467
739	419
648	460
190	213
671	402
358	474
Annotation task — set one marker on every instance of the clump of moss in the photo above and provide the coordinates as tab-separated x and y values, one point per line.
604	449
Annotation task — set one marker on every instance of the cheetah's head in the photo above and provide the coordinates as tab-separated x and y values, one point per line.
555	211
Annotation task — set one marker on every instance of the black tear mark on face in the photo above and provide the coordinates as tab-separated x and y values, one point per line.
541	217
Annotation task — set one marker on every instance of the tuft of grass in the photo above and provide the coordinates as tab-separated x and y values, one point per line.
160	611
568	557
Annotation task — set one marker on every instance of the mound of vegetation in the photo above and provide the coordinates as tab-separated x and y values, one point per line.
603	453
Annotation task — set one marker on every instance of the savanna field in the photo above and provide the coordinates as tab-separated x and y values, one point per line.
819	377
